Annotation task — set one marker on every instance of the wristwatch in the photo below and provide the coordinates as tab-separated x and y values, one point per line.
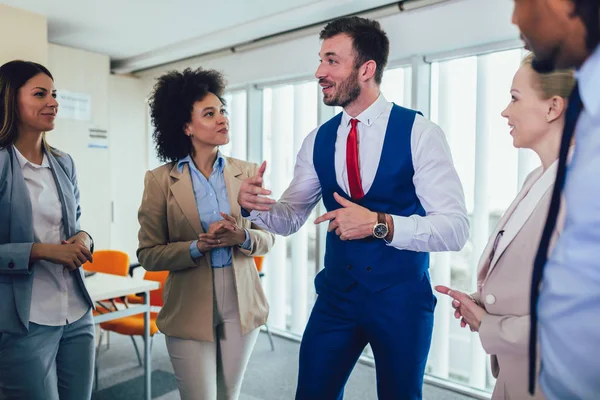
380	230
91	240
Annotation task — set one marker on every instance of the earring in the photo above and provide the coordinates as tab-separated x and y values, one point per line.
547	118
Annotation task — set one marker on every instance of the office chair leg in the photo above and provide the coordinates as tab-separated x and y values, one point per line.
96	376
99	342
96	360
270	337
137	351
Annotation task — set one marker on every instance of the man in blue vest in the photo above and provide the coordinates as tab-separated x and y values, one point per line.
386	177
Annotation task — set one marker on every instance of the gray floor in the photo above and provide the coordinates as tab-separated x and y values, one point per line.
270	375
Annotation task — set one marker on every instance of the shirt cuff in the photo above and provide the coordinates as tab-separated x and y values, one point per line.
194	252
247	243
404	231
252	216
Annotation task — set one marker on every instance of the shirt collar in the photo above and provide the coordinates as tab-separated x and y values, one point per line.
370	115
588	77
218	166
23	162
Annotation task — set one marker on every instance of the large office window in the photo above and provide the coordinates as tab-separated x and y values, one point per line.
467	97
289	114
236	105
396	85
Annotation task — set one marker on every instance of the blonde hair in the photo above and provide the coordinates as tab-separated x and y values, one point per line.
559	82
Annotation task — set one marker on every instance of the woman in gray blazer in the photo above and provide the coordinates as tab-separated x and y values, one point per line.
46	326
499	310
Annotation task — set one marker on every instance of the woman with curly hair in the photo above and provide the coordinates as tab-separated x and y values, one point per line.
190	225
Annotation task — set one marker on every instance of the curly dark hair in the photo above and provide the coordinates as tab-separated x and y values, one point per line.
369	41
171	104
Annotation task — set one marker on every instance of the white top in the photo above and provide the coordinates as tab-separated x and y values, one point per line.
55	300
525	207
444	228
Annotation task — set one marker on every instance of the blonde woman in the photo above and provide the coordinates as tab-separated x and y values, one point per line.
499	310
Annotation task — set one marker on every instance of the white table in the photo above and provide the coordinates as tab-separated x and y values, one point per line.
106	286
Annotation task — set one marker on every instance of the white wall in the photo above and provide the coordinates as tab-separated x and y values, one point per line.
111	180
23	35
87	73
128	158
447	26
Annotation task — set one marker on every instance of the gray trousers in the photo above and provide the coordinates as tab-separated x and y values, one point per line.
49	362
214	370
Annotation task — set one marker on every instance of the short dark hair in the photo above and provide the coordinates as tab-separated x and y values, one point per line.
13	75
171	104
589	12
369	41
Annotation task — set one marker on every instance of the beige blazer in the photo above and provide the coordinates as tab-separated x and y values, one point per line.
169	222
504	290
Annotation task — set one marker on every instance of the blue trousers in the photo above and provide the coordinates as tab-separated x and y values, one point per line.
397	322
49	362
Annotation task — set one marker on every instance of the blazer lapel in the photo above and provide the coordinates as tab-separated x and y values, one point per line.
20	204
485	264
65	194
183	192
233	183
545	179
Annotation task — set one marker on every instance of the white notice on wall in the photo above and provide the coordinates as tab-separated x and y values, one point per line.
72	105
98	139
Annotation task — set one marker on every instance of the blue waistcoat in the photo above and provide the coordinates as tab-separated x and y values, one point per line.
371	262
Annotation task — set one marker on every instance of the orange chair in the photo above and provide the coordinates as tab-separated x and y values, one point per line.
134	324
113	262
258	260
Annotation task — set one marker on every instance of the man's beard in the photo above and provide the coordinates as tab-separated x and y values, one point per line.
541	65
347	91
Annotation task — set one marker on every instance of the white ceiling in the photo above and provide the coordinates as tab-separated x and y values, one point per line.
139	34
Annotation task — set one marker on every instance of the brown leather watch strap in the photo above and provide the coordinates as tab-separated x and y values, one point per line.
381	218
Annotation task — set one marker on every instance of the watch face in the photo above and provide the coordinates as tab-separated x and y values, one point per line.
380	231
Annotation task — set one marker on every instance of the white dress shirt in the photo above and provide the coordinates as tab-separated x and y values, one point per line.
55	300
444	228
569	304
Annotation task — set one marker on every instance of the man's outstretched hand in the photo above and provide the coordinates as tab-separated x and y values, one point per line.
251	195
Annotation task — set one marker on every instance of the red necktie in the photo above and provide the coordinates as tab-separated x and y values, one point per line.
356	191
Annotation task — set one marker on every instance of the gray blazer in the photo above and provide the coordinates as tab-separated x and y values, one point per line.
17	237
